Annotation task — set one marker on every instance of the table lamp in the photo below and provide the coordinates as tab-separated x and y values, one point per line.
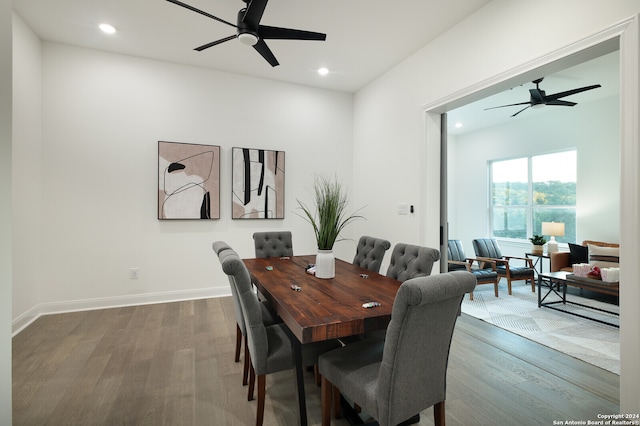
553	229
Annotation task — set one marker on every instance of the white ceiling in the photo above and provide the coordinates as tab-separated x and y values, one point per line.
603	70
365	38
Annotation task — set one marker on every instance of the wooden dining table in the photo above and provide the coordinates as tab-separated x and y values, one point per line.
316	309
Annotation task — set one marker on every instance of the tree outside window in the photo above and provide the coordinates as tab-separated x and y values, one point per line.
528	191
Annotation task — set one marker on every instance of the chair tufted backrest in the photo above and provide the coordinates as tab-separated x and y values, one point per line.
487	247
220	248
410	261
412	375
370	252
273	244
257	340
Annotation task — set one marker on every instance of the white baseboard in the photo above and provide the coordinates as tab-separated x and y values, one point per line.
21	322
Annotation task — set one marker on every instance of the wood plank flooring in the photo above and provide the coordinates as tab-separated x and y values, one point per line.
172	364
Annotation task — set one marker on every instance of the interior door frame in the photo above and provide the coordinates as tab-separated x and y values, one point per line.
624	36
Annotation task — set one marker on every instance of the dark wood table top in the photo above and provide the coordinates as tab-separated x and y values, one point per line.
324	308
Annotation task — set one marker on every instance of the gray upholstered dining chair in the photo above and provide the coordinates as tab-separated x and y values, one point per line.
488	249
458	261
273	244
394	379
407	261
411	261
370	252
270	346
268	317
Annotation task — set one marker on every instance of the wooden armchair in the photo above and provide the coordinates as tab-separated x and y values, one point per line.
485	271
488	250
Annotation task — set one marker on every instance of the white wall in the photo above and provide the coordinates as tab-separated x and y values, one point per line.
5	211
591	128
493	41
27	154
103	115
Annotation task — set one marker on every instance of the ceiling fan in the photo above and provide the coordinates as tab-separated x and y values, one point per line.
251	33
539	97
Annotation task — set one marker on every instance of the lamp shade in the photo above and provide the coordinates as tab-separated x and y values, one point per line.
553	229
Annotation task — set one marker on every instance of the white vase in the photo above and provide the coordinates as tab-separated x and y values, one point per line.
325	264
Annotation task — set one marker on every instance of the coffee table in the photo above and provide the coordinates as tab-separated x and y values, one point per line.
557	282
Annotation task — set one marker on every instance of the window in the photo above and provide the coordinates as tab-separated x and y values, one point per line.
528	191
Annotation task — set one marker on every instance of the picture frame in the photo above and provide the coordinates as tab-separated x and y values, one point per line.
258	177
188	181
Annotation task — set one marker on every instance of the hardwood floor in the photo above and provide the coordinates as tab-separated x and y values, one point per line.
173	364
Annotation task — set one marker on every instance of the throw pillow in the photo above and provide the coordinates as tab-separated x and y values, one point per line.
604	257
578	254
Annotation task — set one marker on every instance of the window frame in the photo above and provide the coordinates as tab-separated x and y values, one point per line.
530	207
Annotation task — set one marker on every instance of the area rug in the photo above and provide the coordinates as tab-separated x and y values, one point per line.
590	341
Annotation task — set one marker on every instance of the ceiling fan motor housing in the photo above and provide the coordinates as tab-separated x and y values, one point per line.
246	35
251	33
537	98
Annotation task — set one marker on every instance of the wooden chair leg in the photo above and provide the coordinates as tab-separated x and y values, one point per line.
471	296
336	402
252	382
438	414
238	342
262	379
533	285
495	288
509	286
316	374
247	362
326	388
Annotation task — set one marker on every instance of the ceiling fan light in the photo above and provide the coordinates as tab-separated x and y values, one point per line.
538	106
248	39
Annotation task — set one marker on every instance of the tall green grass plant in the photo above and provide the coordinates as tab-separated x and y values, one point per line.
328	215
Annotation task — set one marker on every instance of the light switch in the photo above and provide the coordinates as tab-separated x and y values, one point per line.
403	208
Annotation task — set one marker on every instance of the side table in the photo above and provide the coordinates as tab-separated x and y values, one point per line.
538	258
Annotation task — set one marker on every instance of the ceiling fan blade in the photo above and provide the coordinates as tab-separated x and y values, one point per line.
521	111
266	53
254	12
502	106
559	95
562	103
208	15
273	33
214	43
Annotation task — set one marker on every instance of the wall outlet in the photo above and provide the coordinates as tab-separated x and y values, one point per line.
134	273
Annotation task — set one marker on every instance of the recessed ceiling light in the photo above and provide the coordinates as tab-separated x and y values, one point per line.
323	71
106	28
458	125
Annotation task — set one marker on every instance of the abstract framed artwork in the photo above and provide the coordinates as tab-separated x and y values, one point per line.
188	181
257	184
